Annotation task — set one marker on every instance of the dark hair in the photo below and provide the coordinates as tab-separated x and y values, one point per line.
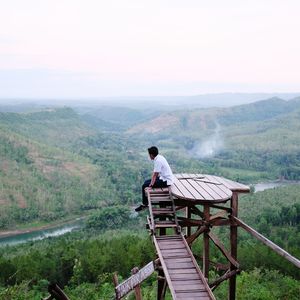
153	151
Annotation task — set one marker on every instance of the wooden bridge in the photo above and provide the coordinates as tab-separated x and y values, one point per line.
176	220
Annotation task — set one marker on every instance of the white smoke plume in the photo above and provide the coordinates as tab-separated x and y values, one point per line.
209	147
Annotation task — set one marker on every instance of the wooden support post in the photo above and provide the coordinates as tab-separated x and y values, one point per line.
188	216
206	243
115	279
162	231
137	289
160	285
233	245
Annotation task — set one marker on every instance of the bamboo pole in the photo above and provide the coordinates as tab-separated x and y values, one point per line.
267	242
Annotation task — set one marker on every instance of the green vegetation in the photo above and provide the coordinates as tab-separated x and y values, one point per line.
56	164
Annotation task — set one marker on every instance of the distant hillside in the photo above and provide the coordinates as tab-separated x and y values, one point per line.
54	126
115	118
202	119
50	168
261	136
259	111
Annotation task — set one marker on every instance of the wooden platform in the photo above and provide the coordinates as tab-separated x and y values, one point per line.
201	188
184	277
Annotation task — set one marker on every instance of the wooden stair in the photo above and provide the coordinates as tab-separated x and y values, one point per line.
162	210
183	275
181	271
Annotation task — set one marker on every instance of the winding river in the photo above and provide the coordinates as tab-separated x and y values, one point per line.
42	234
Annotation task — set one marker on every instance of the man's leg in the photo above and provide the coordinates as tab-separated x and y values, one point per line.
159	183
145	198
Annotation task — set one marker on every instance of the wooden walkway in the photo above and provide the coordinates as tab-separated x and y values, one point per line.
184	277
181	271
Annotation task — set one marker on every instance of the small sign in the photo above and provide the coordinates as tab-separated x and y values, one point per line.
129	284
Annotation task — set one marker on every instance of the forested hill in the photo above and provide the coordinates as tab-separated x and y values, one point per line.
259	137
207	117
57	161
54	165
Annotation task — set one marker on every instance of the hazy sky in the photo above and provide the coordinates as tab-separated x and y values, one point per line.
77	48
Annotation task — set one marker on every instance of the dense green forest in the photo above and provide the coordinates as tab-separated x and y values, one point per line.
57	163
83	261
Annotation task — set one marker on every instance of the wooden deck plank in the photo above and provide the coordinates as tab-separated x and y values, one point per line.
185	276
183	190
168	237
232	185
177	272
220	186
180	266
199	186
208	188
189	184
193	297
214	189
173	247
175	189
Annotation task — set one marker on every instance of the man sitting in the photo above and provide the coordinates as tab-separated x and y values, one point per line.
162	175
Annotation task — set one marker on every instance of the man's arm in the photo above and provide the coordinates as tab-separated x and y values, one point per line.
153	179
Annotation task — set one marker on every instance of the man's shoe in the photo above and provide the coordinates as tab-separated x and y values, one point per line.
141	207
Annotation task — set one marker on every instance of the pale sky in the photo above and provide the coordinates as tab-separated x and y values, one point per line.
95	48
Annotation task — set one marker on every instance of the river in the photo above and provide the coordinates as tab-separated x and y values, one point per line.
261	186
42	234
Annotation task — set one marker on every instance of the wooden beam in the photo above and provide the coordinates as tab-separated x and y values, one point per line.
137	288
206	244
228	209
213	285
188	216
220	222
190	222
200	230
218	266
220	214
267	242
219	244
56	292
196	211
233	245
